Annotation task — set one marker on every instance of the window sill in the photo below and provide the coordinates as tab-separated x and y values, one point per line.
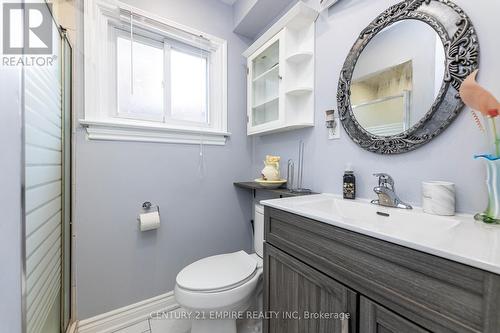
142	132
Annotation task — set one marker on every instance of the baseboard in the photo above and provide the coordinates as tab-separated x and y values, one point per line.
72	327
127	316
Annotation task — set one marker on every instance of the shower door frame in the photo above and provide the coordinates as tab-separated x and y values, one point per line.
67	188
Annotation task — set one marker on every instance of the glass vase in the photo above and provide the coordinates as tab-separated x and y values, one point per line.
492	160
492	213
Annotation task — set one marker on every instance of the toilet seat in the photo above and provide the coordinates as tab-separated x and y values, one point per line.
218	273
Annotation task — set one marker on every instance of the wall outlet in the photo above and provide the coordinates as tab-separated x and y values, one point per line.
334	132
333	135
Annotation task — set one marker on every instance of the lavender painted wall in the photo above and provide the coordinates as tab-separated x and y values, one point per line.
448	157
118	265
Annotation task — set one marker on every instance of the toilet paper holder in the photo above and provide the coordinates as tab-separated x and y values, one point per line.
148	207
149	219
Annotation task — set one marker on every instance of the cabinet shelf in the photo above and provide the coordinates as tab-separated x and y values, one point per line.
299	57
266	73
268	101
280	129
299	91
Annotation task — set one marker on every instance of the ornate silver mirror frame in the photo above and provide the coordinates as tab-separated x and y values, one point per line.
462	55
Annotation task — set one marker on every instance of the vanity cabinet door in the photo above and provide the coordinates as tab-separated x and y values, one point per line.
294	290
377	319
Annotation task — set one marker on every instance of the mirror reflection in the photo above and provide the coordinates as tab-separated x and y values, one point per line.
397	77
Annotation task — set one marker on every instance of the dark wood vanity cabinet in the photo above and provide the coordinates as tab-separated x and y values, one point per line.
313	267
377	319
297	291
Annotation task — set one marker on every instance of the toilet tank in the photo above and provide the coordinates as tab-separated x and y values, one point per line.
258	227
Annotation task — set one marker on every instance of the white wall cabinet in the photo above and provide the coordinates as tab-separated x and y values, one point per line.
280	81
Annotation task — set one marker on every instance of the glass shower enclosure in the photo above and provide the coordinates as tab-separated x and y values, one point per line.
47	190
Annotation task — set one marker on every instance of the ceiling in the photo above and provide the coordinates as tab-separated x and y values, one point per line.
252	16
257	17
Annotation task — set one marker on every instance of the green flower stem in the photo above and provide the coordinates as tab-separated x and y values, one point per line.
495	134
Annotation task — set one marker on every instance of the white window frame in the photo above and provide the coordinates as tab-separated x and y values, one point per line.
100	18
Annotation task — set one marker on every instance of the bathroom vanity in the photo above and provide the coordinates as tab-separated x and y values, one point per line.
391	270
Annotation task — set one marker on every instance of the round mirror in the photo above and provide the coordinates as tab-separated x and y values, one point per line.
399	85
397	78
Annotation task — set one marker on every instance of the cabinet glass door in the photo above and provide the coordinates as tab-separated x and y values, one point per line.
265	85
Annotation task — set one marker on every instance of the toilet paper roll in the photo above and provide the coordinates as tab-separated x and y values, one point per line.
149	221
438	198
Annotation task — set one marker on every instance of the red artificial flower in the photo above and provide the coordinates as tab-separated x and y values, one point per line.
493	112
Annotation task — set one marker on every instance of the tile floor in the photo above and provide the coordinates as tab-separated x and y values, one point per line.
162	325
167	325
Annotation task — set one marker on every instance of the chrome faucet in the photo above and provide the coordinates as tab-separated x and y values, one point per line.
386	193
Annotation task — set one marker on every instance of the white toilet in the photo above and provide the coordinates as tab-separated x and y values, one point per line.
214	287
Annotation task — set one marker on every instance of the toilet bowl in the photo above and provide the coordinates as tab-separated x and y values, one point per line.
215	289
213	305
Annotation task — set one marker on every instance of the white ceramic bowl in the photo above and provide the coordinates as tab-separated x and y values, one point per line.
270	183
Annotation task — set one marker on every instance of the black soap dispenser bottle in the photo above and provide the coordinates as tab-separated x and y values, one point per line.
349	188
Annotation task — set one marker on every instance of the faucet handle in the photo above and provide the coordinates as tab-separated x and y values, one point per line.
384	179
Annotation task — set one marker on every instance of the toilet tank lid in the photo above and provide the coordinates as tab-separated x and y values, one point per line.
217	272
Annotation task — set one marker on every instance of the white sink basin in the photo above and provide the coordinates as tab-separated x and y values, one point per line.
457	238
391	221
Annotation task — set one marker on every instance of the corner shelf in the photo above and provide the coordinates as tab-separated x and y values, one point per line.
299	91
299	57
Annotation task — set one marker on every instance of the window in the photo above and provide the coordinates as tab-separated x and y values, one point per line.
142	98
163	82
189	77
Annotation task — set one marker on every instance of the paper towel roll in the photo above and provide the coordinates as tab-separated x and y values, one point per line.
149	221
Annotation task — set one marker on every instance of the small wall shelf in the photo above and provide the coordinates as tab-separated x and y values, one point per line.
281	192
280	83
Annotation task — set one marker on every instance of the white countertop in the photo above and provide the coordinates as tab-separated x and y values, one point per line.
458	238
